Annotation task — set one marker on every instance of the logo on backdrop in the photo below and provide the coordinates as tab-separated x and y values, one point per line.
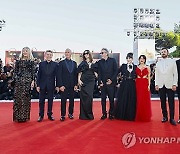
130	139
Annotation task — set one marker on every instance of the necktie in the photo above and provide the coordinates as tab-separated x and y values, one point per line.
47	67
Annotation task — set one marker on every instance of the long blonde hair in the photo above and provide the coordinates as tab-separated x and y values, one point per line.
30	56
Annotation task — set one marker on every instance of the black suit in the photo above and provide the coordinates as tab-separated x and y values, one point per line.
67	77
46	80
107	69
178	89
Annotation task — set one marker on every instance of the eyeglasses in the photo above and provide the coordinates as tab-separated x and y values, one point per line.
86	53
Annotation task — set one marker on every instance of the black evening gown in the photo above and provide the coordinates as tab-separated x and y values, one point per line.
125	106
23	75
86	92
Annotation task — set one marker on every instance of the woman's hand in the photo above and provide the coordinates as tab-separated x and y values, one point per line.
32	84
80	82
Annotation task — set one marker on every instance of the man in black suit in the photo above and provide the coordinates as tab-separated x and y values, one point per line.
67	78
107	75
178	89
46	82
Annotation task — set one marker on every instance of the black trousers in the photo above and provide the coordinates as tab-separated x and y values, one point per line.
170	93
42	95
64	95
107	90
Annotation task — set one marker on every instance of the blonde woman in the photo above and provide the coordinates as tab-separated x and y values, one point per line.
24	81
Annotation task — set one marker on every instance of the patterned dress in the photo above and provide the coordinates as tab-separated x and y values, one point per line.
23	75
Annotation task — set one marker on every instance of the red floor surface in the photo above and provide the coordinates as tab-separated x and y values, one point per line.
89	137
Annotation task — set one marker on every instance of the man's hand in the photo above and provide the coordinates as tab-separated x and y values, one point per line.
32	84
108	81
157	88
38	89
57	89
101	84
75	88
80	82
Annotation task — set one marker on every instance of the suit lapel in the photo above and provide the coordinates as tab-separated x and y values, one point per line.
72	65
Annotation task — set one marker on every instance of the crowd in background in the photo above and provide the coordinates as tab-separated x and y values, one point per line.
6	82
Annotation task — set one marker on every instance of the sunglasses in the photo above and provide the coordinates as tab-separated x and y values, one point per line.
102	53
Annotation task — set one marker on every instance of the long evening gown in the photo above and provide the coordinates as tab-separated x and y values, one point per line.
86	92
125	105
23	75
143	109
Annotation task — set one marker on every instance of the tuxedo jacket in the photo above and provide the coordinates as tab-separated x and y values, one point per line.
107	71
166	73
66	77
46	78
178	70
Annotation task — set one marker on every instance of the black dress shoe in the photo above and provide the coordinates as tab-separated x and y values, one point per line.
51	118
70	116
104	116
178	121
62	118
40	119
164	119
173	122
111	117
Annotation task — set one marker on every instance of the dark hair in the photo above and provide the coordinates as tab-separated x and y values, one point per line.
90	55
105	50
165	49
144	57
49	51
129	55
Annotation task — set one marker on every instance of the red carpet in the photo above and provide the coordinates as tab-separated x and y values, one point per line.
80	136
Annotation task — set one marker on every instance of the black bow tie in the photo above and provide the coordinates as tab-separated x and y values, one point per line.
130	66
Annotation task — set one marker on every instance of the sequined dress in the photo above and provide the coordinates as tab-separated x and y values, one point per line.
23	76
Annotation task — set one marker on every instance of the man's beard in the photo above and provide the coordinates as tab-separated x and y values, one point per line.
164	56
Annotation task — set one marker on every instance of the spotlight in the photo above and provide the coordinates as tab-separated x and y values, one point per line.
141	25
152	11
146	11
157	18
157	26
156	34
135	25
146	25
151	34
151	25
141	10
135	17
135	34
163	34
2	24
157	11
145	34
135	10
141	17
